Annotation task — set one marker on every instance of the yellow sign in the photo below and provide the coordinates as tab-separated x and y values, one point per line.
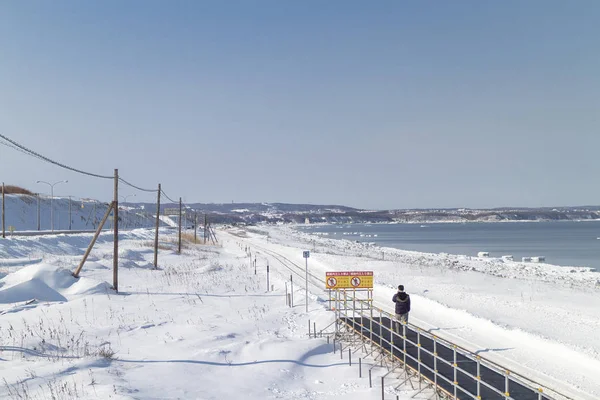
349	280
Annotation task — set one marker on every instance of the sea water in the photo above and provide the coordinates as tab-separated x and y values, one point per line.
568	243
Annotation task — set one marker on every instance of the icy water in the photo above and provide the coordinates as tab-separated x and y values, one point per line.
562	243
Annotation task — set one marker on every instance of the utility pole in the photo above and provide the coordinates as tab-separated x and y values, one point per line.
3	222
70	213
38	211
116	233
156	231
179	249
195	226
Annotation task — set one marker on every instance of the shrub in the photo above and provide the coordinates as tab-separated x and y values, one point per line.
11	189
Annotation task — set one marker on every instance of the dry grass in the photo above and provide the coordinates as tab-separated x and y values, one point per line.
11	189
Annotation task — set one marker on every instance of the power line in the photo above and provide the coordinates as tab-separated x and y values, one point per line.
138	188
41	157
170	199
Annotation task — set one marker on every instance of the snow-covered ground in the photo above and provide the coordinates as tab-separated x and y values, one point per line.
536	319
203	326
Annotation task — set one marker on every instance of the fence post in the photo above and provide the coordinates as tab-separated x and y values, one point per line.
180	214
315	329
292	288
350	357
309	328
70	219
370	380
156	228
360	367
382	388
3	222
268	283
506	388
286	295
116	233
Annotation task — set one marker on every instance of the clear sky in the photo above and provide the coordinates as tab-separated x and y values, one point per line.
383	104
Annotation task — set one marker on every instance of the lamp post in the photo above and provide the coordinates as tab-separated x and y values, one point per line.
52	200
125	197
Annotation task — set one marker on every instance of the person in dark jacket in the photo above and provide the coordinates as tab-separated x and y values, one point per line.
402	301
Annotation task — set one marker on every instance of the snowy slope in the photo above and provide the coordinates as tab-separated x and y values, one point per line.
21	212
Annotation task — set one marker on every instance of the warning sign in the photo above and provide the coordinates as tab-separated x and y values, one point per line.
349	280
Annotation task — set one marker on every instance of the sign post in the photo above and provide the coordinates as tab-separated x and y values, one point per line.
306	254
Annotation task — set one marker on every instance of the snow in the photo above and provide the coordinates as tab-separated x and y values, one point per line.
203	325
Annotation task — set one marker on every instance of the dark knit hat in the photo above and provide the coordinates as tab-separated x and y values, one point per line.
401	288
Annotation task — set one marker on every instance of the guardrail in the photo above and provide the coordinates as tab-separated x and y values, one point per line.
451	370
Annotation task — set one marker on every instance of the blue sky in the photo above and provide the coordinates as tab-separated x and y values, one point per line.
384	104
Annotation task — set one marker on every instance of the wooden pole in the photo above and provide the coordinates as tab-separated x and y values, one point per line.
70	213
195	227
179	248
89	249
156	231
205	228
116	233
3	221
38	211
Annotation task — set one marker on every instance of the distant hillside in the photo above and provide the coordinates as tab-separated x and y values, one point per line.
21	213
253	213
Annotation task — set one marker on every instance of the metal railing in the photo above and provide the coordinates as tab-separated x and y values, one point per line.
451	370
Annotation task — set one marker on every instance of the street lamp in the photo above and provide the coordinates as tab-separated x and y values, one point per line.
124	201
125	197
51	200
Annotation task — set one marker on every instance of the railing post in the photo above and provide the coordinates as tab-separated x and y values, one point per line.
478	376
506	388
391	340
419	355
381	334
371	322
360	367
454	365
404	344
353	314
435	370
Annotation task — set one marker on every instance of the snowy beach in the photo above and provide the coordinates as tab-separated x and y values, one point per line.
204	318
